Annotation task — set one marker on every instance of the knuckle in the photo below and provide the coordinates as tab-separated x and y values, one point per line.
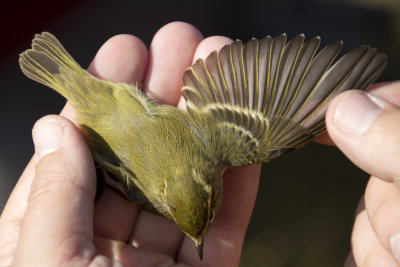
78	250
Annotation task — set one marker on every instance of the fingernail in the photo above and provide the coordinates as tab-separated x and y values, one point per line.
395	246
356	112
47	136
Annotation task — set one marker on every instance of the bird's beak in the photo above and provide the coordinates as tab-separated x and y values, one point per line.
200	249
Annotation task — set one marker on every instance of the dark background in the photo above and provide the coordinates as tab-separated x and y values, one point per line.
305	206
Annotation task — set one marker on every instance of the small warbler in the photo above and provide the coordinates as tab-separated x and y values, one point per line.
248	103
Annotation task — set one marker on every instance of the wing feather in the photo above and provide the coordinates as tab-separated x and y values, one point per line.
271	95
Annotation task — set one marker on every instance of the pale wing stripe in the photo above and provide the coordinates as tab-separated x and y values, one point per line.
318	128
226	72
268	87
293	136
257	77
195	83
318	111
213	73
211	69
308	52
331	81
200	80
192	96
224	86
236	68
351	81
251	52
289	60
223	89
276	56
244	90
250	61
263	71
227	77
319	66
254	123
348	81
211	88
195	78
288	63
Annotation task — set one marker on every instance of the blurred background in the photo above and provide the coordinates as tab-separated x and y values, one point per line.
306	202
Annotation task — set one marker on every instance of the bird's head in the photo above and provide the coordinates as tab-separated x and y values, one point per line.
193	202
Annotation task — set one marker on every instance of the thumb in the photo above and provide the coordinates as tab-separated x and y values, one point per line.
366	129
57	224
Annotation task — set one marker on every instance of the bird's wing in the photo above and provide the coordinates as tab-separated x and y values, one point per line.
271	95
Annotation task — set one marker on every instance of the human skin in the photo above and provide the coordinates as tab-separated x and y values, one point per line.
366	129
51	218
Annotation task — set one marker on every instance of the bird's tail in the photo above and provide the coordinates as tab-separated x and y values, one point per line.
47	62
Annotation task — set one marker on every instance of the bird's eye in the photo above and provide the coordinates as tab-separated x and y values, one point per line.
211	216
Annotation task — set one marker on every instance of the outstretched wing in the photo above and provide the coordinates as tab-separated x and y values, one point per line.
271	96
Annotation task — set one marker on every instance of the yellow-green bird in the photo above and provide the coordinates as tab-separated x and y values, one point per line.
246	104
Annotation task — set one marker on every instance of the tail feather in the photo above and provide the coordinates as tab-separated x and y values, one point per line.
50	64
32	65
49	45
47	62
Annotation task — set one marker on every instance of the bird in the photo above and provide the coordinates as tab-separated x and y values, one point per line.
247	103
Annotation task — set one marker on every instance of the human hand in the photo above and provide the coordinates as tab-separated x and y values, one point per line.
366	127
51	219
